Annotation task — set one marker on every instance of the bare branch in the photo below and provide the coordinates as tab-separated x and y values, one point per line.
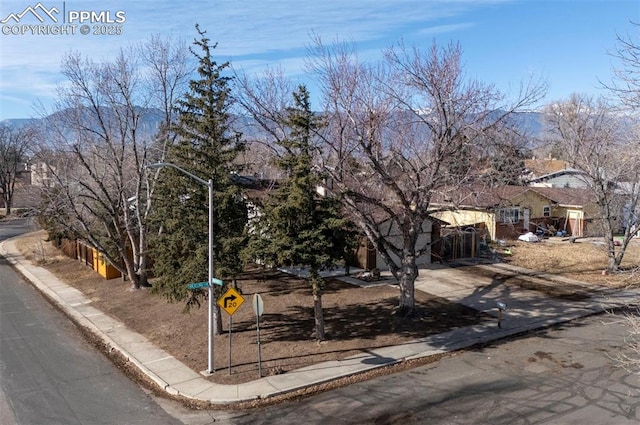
402	130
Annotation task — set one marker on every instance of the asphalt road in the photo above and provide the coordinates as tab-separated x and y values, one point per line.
561	376
49	374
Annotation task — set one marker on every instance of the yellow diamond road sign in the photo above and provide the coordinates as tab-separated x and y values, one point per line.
230	301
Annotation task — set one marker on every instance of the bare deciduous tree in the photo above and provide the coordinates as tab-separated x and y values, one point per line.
168	65
625	84
14	146
104	135
605	148
399	132
265	100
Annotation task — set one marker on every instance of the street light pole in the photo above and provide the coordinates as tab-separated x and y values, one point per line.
210	366
209	184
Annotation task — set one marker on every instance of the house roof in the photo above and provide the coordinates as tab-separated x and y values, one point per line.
566	171
484	198
256	189
541	167
566	196
478	197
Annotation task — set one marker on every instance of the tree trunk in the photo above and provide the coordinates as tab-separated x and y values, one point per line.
7	204
135	279
406	282
129	264
612	260
318	316
142	262
128	238
611	264
143	273
217	319
616	255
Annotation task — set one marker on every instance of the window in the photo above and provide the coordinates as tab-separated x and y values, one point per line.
546	211
509	215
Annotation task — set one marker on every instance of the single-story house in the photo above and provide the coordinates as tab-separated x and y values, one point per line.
508	211
368	258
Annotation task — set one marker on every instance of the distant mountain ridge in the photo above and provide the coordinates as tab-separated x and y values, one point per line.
530	122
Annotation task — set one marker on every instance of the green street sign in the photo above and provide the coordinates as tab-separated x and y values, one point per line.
198	285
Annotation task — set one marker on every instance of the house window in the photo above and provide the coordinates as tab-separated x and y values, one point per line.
509	215
546	211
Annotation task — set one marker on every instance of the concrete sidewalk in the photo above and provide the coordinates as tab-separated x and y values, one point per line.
527	310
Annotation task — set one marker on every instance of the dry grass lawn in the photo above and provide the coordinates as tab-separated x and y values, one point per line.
583	260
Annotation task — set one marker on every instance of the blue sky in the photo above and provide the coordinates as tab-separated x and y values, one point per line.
504	41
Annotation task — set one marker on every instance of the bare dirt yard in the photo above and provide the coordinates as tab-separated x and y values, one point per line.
356	318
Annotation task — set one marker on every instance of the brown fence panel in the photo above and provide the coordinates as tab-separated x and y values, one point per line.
456	244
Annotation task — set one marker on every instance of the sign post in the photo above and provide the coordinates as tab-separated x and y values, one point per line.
230	301
200	285
258	309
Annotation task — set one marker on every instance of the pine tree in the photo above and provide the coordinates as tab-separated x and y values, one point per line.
506	167
298	227
207	148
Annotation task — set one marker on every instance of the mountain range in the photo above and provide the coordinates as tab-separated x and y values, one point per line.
530	122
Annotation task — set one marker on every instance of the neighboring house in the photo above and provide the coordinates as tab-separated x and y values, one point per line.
256	191
552	172
41	174
508	211
536	167
568	177
630	210
368	258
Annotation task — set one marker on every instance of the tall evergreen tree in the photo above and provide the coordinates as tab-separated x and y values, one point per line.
506	167
207	148
298	227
